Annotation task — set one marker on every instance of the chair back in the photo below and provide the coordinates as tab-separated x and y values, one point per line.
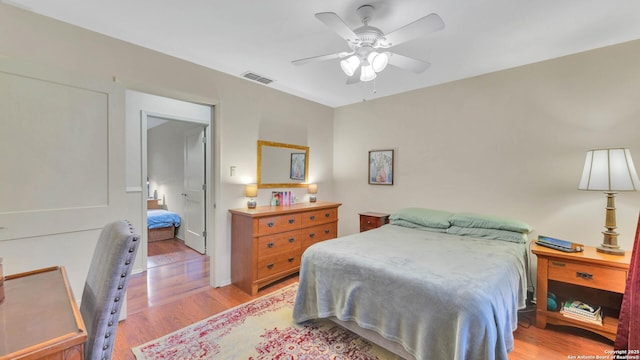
104	289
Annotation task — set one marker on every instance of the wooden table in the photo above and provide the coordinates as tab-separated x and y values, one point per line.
588	276
39	317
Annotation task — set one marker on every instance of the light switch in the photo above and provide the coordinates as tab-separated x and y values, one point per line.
232	171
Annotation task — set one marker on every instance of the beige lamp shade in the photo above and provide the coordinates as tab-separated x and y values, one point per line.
251	190
609	170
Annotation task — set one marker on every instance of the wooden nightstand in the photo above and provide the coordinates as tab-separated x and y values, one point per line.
588	276
372	220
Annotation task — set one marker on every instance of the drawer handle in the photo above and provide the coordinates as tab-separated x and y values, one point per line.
557	263
312	217
270	266
270	224
291	221
584	275
291	240
326	231
327	215
270	245
368	222
290	259
312	235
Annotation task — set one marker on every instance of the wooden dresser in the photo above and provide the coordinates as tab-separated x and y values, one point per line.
267	242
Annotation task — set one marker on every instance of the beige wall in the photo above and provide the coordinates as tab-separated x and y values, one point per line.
511	143
242	108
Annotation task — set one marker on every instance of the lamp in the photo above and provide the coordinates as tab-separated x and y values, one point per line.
369	61
313	190
251	191
609	170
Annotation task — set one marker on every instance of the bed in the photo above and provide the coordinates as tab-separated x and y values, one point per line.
423	286
161	224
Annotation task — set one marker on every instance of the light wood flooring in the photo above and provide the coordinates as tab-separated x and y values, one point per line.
174	292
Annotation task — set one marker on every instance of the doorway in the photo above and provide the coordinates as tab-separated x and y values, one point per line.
176	182
145	110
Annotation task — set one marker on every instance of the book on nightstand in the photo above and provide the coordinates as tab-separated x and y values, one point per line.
582	311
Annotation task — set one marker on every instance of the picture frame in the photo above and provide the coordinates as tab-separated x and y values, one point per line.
381	167
297	168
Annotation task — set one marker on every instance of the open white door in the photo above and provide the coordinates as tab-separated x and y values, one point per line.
194	184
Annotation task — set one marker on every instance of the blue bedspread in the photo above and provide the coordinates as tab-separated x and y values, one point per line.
441	296
162	218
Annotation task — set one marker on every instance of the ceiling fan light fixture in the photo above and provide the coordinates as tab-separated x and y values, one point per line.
378	61
367	73
350	65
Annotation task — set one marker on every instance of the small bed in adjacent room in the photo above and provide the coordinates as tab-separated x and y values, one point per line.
430	285
161	223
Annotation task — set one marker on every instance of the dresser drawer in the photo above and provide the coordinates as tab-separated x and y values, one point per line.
319	217
588	275
276	224
272	265
278	243
318	233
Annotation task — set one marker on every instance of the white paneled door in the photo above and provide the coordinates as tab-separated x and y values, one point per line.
194	183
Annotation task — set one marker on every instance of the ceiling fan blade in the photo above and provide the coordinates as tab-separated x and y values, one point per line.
420	27
335	23
339	55
407	63
355	78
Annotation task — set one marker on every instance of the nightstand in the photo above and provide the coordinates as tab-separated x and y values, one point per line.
372	220
588	276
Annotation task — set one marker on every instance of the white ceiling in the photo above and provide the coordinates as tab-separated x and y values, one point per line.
236	36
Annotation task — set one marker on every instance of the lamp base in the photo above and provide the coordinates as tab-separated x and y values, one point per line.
313	198
610	249
251	204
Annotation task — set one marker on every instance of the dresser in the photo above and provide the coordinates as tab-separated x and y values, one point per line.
267	242
588	276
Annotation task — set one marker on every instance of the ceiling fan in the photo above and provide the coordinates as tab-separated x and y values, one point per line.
368	44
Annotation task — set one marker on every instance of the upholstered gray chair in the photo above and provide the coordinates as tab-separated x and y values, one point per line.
104	289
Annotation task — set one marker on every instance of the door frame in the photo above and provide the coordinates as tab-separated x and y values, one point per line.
144	115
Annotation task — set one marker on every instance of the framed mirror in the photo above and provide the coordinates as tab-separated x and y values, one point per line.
282	165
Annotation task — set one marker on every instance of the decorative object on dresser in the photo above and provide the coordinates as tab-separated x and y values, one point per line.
267	242
372	220
589	276
609	170
313	190
251	191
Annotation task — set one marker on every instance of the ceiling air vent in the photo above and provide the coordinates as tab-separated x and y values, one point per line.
255	77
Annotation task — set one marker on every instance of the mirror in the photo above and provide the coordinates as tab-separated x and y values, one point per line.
282	165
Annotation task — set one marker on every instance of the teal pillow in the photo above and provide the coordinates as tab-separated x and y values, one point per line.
492	234
489	222
423	217
409	224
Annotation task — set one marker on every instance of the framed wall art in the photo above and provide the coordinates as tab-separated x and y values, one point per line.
381	167
297	166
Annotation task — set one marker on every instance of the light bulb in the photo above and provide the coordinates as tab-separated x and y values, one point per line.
367	73
378	61
350	64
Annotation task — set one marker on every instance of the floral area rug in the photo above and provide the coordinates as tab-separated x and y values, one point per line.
259	330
